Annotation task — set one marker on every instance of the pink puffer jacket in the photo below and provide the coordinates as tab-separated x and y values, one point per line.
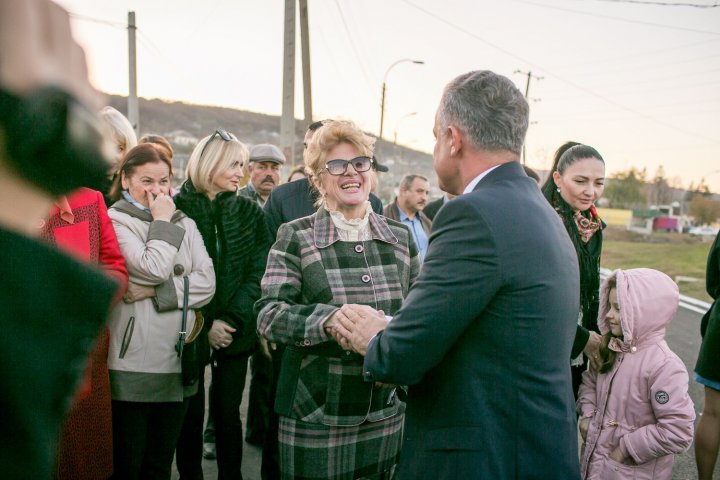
642	404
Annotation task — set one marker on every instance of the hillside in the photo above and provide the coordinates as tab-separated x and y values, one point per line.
183	124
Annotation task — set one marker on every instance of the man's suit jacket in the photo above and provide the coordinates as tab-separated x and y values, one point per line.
432	208
483	339
294	200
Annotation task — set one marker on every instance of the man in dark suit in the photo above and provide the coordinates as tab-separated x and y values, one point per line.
433	207
484	337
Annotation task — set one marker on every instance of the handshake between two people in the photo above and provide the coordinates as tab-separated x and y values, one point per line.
353	326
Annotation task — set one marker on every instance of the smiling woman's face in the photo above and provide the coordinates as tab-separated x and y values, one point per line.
346	193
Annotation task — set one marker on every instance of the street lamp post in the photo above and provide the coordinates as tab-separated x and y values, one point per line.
382	101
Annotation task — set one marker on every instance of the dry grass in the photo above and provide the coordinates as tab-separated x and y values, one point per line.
673	253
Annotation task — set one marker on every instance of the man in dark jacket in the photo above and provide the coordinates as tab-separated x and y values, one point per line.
484	336
432	208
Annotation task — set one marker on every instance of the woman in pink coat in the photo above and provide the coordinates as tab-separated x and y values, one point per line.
635	411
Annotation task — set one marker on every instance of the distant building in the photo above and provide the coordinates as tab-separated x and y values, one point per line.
182	138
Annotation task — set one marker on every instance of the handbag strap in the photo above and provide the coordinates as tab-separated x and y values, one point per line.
183	324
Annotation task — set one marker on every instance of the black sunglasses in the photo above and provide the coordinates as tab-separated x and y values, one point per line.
339	167
226	136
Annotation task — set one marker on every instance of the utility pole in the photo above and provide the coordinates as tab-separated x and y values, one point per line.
133	113
305	58
530	76
287	121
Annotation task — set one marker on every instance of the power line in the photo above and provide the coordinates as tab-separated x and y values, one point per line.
363	69
640	54
579	12
98	20
557	77
695	5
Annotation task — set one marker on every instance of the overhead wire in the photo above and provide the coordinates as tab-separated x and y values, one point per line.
147	42
663	4
363	67
86	18
620	19
558	77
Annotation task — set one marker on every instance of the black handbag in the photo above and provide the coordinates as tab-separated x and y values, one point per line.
187	347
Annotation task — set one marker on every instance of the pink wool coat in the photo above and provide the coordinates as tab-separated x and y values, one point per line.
641	405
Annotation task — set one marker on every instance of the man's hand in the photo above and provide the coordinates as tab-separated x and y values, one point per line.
37	49
265	347
220	335
358	324
592	350
137	292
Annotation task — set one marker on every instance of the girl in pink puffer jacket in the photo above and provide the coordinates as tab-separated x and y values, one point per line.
635	412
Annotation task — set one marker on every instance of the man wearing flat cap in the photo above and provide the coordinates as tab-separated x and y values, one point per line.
265	163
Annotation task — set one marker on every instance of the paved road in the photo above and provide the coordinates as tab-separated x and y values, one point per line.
251	454
683	336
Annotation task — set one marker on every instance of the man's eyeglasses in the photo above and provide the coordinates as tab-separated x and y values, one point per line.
339	167
226	136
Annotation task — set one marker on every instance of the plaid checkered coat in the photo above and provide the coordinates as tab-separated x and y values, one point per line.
310	274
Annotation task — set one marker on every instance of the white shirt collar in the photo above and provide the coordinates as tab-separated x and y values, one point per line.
471	186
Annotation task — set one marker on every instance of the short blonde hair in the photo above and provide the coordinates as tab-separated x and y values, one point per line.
327	137
219	155
122	131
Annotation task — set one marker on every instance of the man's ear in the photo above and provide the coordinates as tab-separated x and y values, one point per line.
456	140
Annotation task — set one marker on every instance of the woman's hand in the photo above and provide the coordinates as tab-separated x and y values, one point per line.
220	335
137	292
592	350
330	328
162	207
584	425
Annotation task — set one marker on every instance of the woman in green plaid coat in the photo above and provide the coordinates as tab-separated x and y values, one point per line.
334	424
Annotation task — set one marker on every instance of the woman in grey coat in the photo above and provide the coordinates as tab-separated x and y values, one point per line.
161	246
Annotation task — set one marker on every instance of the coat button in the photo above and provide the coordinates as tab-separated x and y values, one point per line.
359	248
633	349
365	278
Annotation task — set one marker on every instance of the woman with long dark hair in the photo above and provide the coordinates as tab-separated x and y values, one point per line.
576	181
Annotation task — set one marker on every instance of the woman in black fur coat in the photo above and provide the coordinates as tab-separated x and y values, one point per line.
237	239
